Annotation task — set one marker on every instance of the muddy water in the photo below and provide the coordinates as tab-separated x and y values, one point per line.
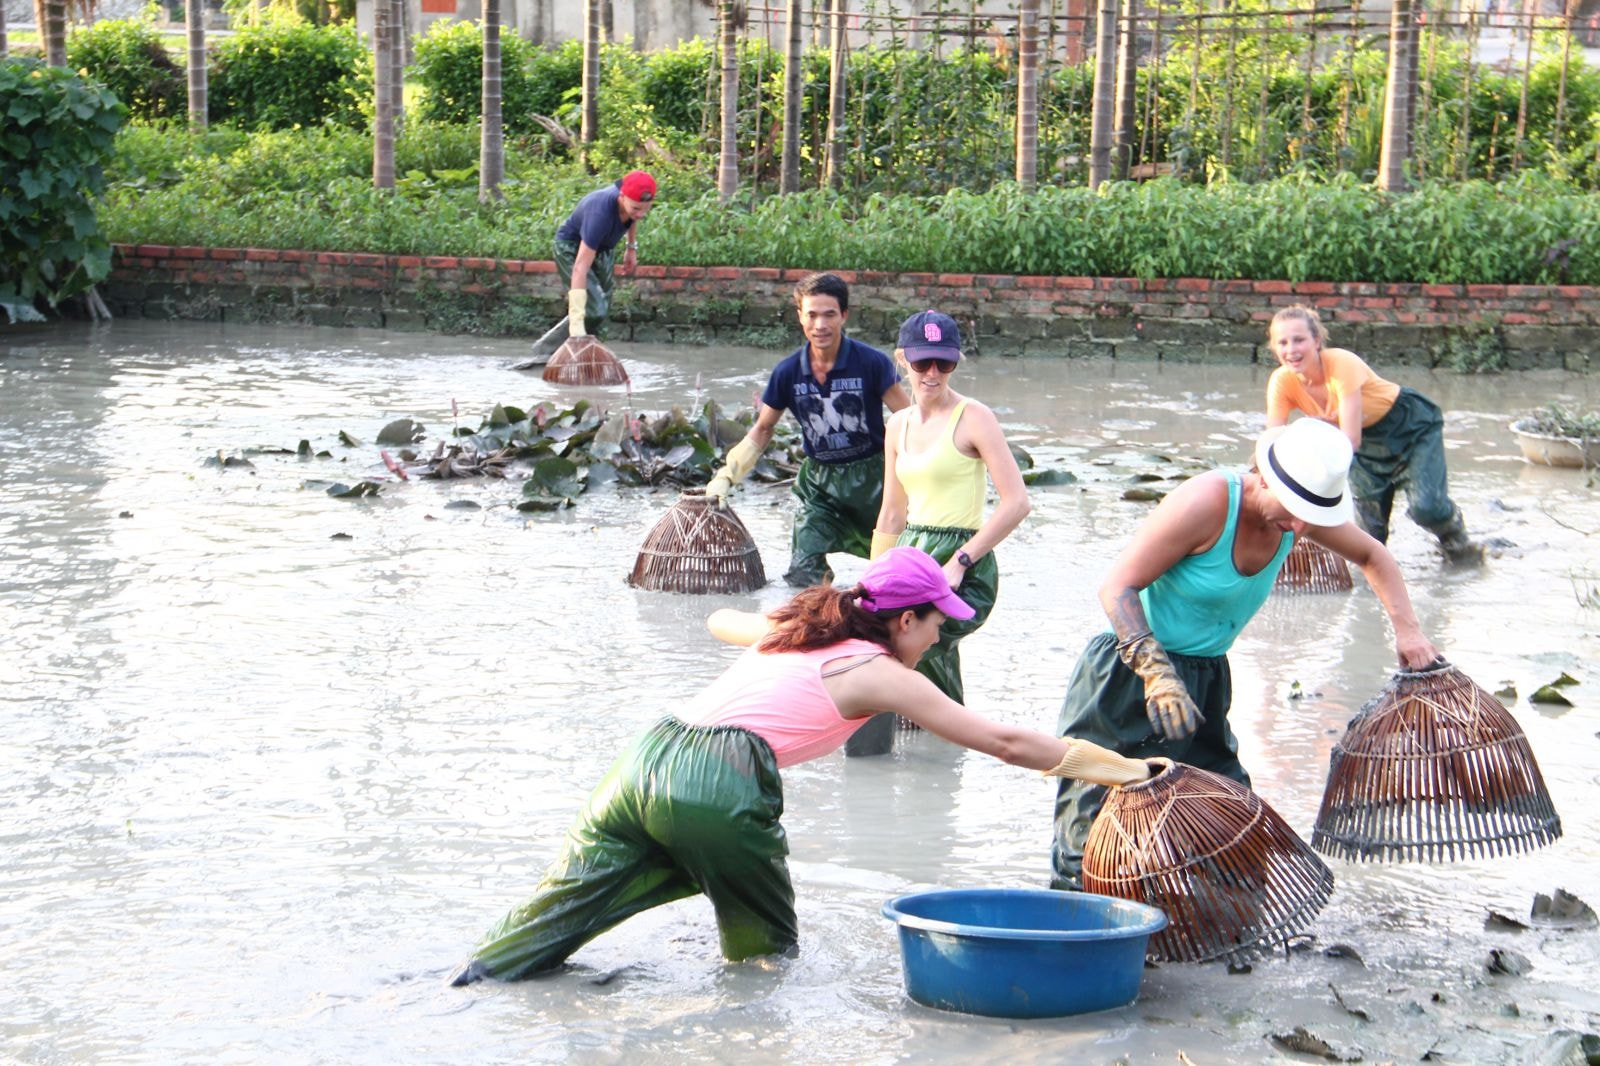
274	760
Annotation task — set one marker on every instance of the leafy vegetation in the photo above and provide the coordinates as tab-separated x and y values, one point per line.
56	134
128	57
1556	421
286	73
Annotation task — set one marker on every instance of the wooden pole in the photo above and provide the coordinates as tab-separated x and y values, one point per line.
789	171
1105	93
1027	94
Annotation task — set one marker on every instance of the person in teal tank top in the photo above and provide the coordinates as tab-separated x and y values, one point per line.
1197	570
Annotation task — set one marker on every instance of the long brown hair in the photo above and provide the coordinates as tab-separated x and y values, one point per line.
1305	314
823	615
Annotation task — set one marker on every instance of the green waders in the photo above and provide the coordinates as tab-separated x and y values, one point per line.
1105	704
1405	450
941	663
685	809
838	508
602	279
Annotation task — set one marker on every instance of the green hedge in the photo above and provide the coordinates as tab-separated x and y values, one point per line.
285	74
1532	229
127	56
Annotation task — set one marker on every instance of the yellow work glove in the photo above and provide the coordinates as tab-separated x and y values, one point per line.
577	307
1171	709
882	542
740	460
1098	766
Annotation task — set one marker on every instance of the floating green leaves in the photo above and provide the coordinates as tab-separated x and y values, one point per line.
347	440
401	431
1052	476
1551	693
554	483
353	492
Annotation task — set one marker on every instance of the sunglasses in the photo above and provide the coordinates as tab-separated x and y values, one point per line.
946	366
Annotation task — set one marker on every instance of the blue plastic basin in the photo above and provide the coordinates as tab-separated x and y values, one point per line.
1022	952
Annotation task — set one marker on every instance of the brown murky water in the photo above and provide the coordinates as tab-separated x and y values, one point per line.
262	786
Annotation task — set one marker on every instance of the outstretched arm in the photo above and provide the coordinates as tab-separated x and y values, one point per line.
1383	574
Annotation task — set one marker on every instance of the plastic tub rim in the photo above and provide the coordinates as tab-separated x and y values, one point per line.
1154	920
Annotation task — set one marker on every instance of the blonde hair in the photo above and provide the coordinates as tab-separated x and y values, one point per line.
1312	320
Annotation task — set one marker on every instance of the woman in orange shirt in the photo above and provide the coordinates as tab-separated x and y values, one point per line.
1397	433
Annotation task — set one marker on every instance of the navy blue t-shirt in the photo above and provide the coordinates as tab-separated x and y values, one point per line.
841	420
595	221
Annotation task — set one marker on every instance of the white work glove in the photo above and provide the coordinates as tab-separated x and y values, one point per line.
740	460
1084	761
577	307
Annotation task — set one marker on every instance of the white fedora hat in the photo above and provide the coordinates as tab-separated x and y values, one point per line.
1306	464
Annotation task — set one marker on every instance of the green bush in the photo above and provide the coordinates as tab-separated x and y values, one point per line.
285	74
449	68
127	57
56	134
148	154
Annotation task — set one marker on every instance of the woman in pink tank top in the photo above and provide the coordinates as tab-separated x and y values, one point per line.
693	804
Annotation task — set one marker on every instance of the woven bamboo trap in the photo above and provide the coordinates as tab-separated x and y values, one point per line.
585	361
1433	769
1312	568
698	547
1232	876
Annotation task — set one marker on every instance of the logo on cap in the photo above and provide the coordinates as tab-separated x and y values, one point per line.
930	332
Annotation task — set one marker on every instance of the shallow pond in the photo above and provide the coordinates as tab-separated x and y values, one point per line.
263	784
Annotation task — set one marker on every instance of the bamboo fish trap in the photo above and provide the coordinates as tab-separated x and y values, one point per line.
585	361
698	547
1433	769
1232	876
1312	568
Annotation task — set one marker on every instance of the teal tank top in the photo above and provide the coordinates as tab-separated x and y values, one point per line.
1199	606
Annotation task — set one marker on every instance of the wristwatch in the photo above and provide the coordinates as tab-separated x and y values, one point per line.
964	559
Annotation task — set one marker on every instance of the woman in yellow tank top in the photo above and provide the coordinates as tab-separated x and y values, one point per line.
1397	433
937	455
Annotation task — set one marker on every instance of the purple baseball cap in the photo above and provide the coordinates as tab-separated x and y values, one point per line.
906	577
930	335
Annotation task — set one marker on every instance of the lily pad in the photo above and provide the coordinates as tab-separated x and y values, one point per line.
1302	1041
1563	909
347	440
1507	692
1507	962
1140	494
1503	923
1049	477
356	491
463	505
554	478
1549	694
401	431
1564	680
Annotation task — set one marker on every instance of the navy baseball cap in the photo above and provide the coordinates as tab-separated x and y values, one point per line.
930	335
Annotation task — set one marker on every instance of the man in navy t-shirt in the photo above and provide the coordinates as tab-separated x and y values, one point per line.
585	242
836	388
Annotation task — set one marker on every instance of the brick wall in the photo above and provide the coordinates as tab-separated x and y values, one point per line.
1163	318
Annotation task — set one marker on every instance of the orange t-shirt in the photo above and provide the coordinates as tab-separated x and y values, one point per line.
1344	374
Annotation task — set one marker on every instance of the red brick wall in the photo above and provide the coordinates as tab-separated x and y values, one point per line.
1168	318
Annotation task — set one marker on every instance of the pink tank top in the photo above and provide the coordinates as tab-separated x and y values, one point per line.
781	699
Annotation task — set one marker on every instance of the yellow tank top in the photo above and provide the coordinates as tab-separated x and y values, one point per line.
943	487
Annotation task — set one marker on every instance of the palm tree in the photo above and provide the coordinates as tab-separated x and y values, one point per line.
789	172
194	17
3	47
1124	136
1396	93
1105	93
53	32
1028	93
492	144
839	46
397	57
591	78
728	162
383	98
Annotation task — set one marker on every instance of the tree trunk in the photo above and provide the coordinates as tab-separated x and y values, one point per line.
397	62
4	47
591	79
728	159
1392	158
492	144
1125	136
383	99
194	16
1028	94
1105	93
789	173
53	32
837	71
